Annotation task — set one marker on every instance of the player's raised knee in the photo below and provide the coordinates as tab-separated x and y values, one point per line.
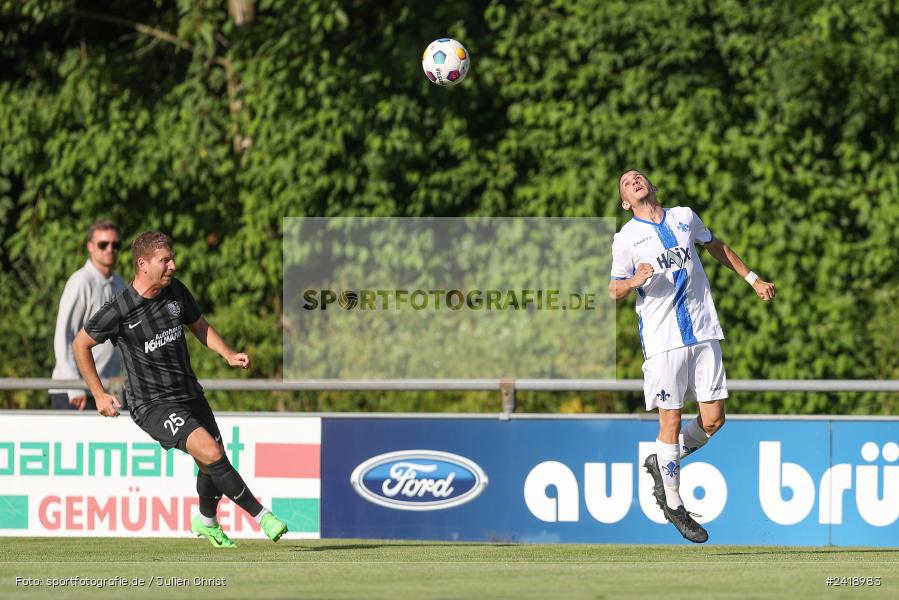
713	425
203	447
211	454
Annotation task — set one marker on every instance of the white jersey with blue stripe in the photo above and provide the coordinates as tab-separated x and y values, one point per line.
674	307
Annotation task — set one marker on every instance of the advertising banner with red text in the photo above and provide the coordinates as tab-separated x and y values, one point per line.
84	475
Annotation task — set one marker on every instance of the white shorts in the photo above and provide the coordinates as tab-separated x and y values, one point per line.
691	372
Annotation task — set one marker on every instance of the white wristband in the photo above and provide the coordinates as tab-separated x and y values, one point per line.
751	278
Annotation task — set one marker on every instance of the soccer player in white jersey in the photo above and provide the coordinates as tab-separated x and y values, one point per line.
655	254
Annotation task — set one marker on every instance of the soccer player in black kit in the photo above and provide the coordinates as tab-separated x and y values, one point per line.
145	322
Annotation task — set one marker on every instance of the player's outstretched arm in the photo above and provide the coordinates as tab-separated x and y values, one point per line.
207	334
727	257
84	358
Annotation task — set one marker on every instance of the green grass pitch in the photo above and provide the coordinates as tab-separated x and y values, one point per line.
414	570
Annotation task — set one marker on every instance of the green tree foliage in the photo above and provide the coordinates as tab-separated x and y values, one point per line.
776	121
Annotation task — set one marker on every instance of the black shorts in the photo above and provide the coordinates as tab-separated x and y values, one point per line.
169	423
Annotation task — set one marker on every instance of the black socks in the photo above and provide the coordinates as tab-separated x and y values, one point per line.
226	478
209	495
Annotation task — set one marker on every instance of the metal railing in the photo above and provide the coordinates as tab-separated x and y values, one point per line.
507	387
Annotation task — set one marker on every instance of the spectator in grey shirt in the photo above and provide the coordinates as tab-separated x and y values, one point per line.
89	288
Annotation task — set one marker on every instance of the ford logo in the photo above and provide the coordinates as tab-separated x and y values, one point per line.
418	480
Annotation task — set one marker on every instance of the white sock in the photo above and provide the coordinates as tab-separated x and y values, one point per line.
668	456
692	438
208	521
261	514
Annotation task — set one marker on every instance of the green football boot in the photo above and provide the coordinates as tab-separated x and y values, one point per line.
214	534
273	527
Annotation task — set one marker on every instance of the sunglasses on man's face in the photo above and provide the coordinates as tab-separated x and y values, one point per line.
115	245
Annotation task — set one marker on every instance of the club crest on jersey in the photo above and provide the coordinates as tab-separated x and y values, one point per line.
174	309
674	258
683	226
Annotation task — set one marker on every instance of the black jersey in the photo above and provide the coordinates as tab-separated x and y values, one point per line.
150	336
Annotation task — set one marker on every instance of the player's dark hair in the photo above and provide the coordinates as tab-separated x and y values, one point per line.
102	225
149	242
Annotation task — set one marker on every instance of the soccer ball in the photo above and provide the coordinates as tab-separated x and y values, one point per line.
445	61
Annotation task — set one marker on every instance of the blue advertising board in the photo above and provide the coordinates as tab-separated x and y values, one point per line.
860	497
775	482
